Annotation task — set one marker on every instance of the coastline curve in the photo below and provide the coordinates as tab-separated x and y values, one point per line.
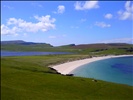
68	67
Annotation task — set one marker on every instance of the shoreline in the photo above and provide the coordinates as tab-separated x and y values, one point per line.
68	67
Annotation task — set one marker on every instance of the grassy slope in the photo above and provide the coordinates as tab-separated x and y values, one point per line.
106	52
29	78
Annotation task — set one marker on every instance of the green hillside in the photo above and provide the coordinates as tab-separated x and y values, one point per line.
29	78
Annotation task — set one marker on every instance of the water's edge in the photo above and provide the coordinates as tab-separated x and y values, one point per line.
94	71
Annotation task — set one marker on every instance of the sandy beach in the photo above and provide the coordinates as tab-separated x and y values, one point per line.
67	67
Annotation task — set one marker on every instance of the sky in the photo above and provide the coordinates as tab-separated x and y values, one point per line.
67	22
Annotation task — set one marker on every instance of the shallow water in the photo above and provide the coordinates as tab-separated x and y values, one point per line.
117	70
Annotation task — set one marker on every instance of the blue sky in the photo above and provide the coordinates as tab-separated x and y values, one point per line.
67	22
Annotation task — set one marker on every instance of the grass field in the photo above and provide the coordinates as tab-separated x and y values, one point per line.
29	78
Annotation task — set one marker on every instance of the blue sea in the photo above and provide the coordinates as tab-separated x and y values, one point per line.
117	70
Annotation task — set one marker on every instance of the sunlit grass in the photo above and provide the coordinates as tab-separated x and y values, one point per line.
29	78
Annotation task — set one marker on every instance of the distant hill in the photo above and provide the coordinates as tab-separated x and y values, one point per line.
19	45
101	45
21	42
69	45
12	42
97	48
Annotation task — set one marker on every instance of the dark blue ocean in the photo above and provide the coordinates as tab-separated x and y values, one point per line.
117	70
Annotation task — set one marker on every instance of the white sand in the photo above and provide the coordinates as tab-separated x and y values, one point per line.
66	68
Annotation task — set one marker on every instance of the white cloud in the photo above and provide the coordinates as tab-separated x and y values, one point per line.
121	40
5	30
86	5
108	16
60	9
128	13
102	24
15	26
45	19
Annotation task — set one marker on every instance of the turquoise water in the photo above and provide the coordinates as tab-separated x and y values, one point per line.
117	70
